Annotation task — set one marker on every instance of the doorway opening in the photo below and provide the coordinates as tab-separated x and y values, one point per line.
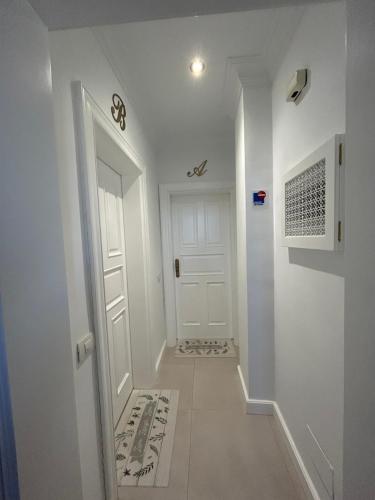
198	240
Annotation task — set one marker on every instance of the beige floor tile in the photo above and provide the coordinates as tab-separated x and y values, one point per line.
235	456
177	488
220	453
177	377
217	385
169	358
222	363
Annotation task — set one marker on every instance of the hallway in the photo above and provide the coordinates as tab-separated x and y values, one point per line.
220	453
178	170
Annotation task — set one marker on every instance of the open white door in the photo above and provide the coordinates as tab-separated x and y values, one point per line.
202	253
110	196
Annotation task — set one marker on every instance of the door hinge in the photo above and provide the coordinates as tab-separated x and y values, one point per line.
341	153
177	267
339	230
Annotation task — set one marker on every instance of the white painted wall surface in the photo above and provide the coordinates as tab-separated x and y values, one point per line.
309	285
181	154
259	228
359	421
76	55
243	337
32	273
253	135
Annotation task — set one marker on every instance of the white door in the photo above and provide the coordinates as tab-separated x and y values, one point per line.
117	310
202	252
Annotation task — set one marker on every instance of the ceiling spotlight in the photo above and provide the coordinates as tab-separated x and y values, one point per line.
197	67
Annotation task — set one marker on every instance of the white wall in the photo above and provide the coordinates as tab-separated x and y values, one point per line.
181	154
76	55
260	289
309	285
241	241
255	243
32	274
359	421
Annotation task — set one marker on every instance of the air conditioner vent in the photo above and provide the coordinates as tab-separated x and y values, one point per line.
305	202
312	199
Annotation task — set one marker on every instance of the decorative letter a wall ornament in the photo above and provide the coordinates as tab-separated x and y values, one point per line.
198	171
118	111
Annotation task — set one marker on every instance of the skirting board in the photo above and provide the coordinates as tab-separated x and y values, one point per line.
255	406
265	407
304	476
157	364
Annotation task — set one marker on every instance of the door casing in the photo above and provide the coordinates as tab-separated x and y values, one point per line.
96	137
166	191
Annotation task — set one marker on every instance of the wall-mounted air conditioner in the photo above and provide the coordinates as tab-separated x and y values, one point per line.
312	199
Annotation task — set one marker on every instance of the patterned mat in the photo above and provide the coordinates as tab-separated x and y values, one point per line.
205	348
144	445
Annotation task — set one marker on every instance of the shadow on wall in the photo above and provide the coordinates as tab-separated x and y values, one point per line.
319	260
8	461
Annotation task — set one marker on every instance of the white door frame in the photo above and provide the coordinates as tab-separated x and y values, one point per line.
166	191
89	118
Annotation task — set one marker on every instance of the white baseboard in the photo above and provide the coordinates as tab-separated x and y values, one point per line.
260	407
255	406
265	407
295	455
244	388
157	364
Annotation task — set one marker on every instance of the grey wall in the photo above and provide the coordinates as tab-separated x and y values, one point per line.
309	284
359	421
32	273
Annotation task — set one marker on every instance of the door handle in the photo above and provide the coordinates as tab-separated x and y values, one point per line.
177	267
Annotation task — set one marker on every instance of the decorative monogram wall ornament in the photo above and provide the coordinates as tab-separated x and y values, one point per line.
118	111
198	171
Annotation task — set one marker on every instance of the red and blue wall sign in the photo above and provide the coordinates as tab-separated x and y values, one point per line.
259	197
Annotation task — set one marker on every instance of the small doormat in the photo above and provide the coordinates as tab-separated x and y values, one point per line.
205	348
145	444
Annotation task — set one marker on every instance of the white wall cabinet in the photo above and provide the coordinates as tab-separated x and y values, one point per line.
312	199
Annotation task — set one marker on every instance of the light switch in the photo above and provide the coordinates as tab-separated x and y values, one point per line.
85	347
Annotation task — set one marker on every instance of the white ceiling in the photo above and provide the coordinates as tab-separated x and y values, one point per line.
152	59
58	14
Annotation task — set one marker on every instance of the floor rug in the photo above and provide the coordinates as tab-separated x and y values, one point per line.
144	442
205	348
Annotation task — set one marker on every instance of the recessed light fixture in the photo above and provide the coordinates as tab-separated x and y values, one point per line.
197	66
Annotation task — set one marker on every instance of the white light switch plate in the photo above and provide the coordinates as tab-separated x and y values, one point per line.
85	347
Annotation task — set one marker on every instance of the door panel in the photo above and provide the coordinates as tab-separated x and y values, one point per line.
216	303
213	218
114	287
195	265
201	243
190	304
188	226
110	197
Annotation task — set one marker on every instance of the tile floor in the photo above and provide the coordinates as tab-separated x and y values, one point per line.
220	453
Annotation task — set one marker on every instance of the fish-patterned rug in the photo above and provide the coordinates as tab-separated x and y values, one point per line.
144	438
205	348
